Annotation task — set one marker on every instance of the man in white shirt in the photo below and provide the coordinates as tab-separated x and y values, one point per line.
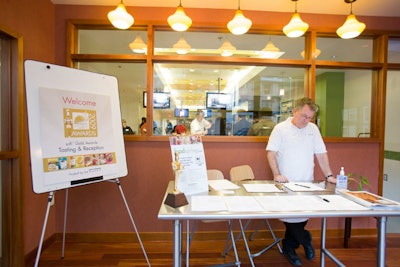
200	125
290	152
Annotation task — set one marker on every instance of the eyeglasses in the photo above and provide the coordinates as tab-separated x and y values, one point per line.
304	116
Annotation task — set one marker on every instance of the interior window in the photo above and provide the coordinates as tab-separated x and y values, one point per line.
228	45
235	99
344	98
131	85
350	50
234	96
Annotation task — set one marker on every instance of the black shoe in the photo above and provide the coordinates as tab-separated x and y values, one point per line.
292	257
309	250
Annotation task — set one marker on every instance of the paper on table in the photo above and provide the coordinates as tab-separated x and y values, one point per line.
222	185
307	203
338	202
208	203
302	186
243	204
261	188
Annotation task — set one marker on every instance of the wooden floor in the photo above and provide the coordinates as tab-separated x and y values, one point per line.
361	252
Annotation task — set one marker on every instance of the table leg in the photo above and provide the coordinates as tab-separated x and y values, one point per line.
381	259
323	240
347	231
177	243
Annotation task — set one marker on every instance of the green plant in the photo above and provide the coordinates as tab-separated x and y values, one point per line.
359	180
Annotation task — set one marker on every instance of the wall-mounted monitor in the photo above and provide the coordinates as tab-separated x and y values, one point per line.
218	101
161	100
207	113
182	112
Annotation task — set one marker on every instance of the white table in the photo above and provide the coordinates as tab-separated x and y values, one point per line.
178	215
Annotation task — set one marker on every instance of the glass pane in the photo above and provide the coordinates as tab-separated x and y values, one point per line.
226	94
108	41
344	97
394	50
351	50
392	141
131	84
211	44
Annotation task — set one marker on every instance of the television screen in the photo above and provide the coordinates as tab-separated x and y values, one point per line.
218	101
182	112
207	113
161	100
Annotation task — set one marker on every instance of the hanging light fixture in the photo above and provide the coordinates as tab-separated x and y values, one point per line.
182	47
239	24
227	49
138	45
120	18
296	26
179	21
271	51
351	27
315	54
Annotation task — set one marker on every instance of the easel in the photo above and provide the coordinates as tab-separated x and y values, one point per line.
49	200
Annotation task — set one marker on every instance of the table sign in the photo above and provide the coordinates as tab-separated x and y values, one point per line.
189	165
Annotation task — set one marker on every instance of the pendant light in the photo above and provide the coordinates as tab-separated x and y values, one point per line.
138	45
227	49
271	51
296	26
120	18
314	54
182	47
351	27
179	21
239	24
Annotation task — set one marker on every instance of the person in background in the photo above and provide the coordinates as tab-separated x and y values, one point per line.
290	153
169	128
179	129
126	129
242	125
143	126
263	126
156	129
200	125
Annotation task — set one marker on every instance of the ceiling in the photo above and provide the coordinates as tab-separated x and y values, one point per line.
386	8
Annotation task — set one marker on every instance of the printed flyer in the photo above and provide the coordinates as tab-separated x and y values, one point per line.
76	140
188	152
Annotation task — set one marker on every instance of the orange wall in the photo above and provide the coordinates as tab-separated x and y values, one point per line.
34	22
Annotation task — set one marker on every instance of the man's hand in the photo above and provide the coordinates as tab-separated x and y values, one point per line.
280	179
331	179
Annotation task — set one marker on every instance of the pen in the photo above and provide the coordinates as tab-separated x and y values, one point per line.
305	186
324	199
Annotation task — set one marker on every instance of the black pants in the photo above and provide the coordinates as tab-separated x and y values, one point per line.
296	235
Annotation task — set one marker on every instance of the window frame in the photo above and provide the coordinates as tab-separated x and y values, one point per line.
378	66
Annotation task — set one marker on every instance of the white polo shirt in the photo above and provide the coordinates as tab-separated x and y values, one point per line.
199	126
295	149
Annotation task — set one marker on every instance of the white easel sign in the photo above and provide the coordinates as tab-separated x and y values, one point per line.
74	123
193	174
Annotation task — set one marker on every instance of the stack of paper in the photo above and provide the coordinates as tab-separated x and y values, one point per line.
218	185
262	188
